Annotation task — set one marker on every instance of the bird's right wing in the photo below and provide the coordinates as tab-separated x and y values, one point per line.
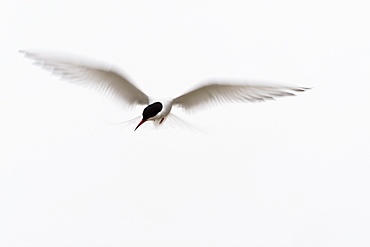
216	93
104	79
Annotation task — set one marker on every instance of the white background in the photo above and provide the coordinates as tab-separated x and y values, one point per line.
292	172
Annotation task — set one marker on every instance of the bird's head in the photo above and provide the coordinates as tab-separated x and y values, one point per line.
150	111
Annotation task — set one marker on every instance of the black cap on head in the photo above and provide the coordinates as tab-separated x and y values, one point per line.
152	110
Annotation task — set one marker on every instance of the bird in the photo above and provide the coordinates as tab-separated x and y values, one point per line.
114	83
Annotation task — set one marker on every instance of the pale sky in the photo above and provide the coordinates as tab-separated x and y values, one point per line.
290	172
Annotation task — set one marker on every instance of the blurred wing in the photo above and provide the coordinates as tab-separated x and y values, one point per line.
215	93
104	79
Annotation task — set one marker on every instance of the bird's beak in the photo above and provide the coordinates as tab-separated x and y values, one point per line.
141	122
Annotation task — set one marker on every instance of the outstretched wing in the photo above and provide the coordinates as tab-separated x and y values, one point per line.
104	79
216	93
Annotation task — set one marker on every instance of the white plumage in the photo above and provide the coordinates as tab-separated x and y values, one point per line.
113	83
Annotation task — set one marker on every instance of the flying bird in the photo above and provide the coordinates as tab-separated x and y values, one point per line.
114	83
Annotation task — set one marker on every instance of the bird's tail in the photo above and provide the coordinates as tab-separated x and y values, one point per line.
174	122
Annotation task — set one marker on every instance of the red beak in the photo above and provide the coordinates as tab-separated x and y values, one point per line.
141	122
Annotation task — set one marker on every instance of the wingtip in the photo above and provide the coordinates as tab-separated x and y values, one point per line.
301	89
26	53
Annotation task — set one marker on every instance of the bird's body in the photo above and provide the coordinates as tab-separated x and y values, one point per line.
157	109
166	107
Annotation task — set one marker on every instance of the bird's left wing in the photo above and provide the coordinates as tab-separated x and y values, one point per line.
215	93
104	79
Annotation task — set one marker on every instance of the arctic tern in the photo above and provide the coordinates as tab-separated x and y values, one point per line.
157	110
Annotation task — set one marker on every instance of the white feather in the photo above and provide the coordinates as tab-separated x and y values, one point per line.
216	93
106	80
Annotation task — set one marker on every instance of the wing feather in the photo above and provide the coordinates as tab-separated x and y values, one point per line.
216	93
106	80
